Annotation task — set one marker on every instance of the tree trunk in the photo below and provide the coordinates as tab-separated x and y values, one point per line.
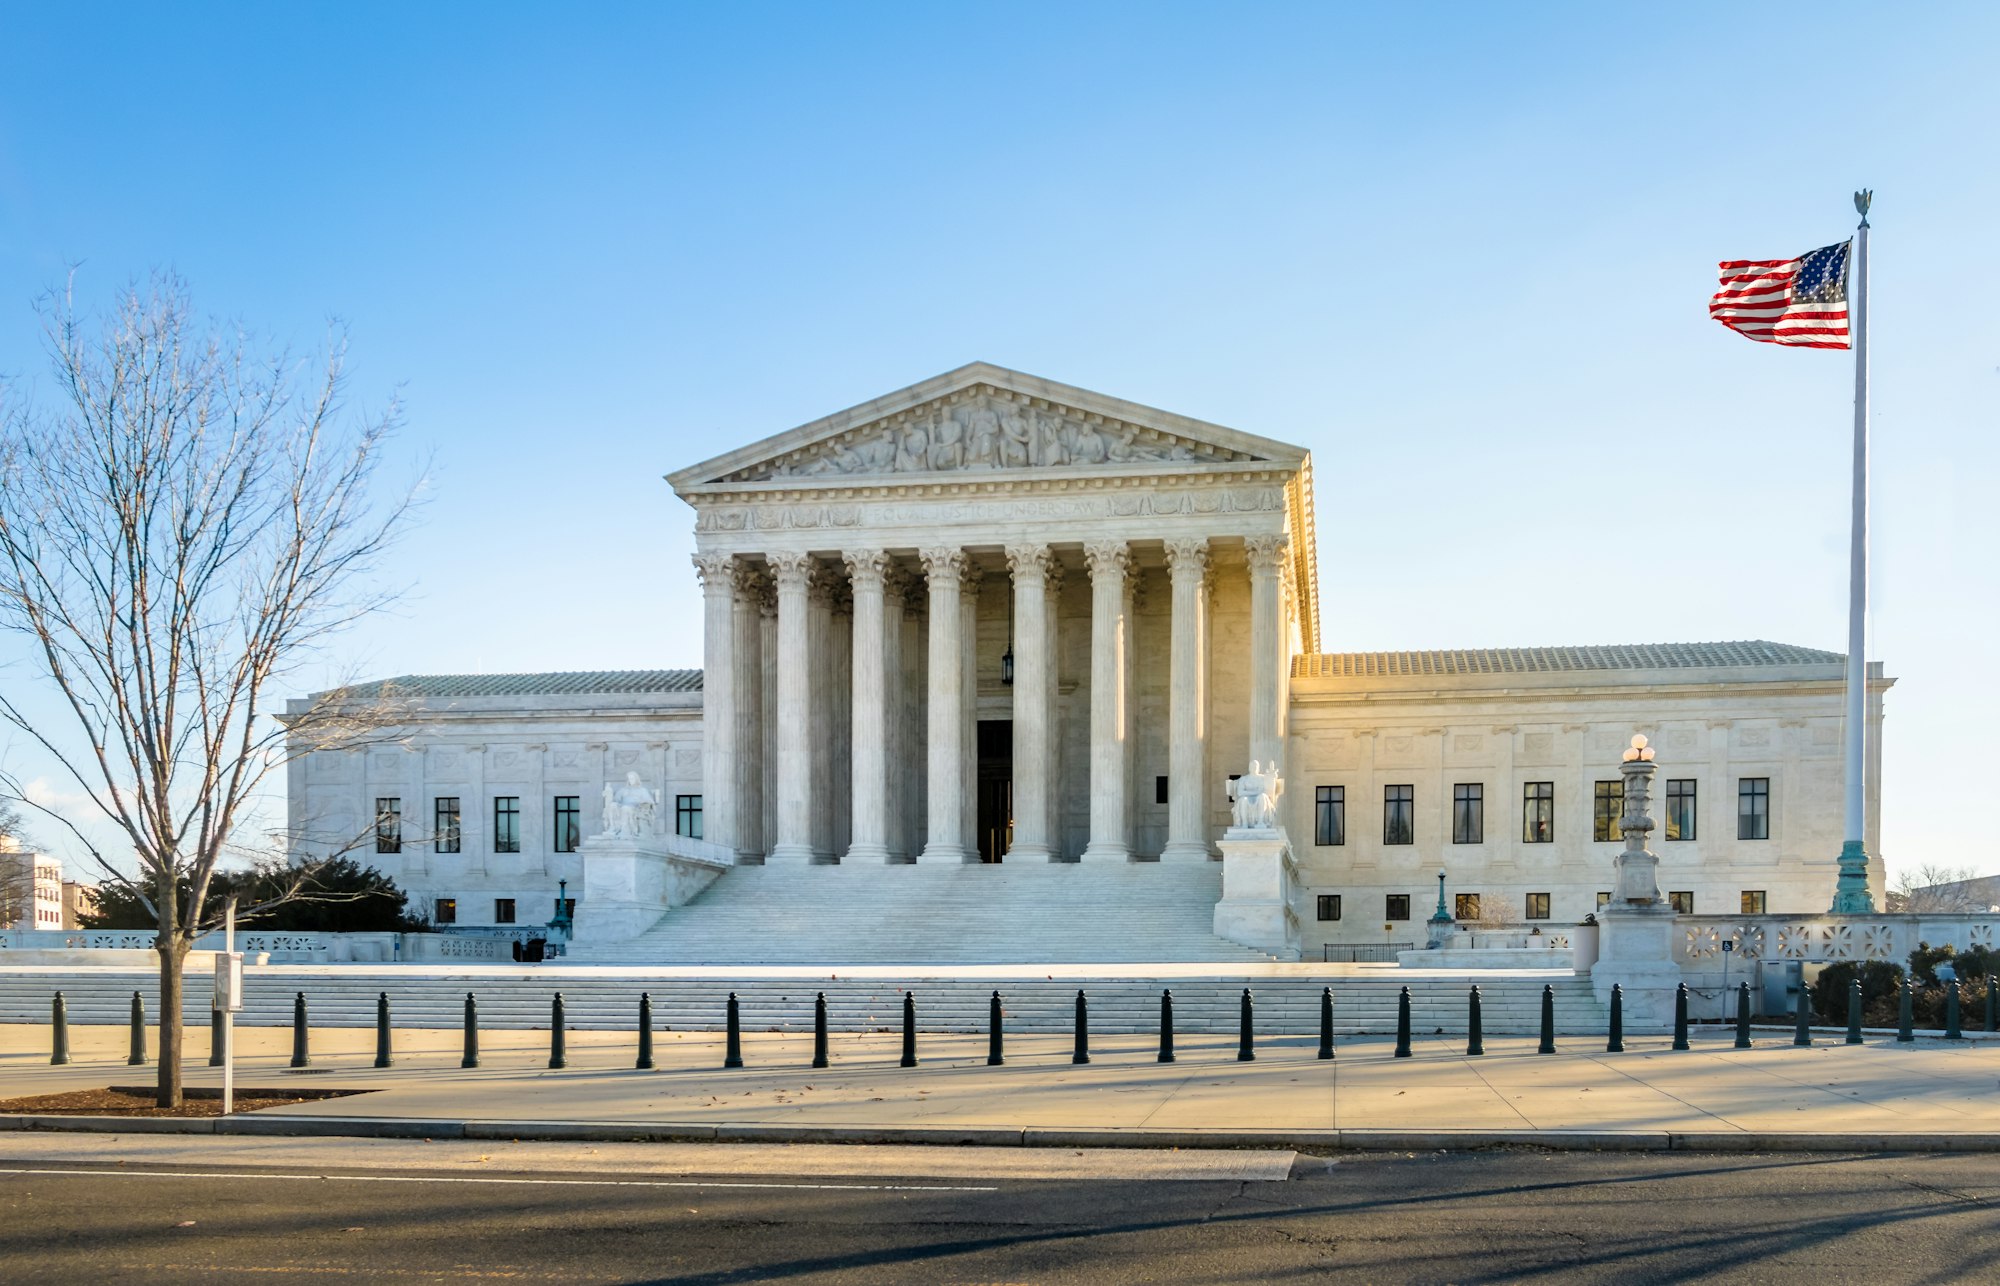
173	954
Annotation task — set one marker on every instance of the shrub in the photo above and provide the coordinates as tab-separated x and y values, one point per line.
1879	983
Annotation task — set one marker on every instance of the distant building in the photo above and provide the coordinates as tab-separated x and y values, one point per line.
31	888
78	900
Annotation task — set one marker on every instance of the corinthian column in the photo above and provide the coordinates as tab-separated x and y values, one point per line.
794	573
968	740
1033	685
1108	839
718	697
1267	555
944	744
747	669
1187	695
869	765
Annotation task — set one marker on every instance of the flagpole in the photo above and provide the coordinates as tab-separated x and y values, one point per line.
1851	895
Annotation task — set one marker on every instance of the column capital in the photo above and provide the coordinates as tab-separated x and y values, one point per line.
751	584
944	566
717	571
1267	553
1188	558
822	585
972	578
1105	557
866	568
895	583
791	571
1029	563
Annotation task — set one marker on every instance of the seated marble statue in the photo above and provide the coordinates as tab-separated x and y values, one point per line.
628	809
1255	797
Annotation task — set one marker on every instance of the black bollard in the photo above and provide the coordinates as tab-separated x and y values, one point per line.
471	1058
1403	1024
1548	1045
1802	1019
382	1054
1081	1054
993	1038
138	1054
300	1056
1326	1022
645	1060
59	1020
1246	1039
1992	1004
215	1038
1951	1027
732	1054
909	1030
1681	1016
558	1044
1166	1026
1906	1020
1614	1041
1742	1015
1475	1026
1854	1012
819	1031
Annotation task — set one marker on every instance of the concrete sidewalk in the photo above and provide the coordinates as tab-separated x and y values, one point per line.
1931	1094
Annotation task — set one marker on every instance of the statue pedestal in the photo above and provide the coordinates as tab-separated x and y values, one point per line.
630	881
1257	878
1635	951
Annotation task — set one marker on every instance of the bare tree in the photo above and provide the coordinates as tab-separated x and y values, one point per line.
178	534
1936	889
17	870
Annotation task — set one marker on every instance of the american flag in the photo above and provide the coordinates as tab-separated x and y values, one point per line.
1801	302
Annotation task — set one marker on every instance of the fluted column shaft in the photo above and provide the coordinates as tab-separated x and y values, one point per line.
1108	840
1033	683
1187	698
968	737
747	687
944	745
870	760
793	573
718	706
1267	556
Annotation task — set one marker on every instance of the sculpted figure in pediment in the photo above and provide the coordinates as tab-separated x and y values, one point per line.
1054	450
982	439
1087	445
1016	439
913	451
947	442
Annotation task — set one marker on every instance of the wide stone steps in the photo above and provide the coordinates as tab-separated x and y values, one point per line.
1026	913
519	999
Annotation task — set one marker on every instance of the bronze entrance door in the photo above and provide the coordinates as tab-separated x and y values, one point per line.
996	788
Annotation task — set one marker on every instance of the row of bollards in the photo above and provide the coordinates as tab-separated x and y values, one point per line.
1246	1034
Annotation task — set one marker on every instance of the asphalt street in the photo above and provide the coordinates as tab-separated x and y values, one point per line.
329	1211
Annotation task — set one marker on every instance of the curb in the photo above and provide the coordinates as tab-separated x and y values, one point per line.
1364	1140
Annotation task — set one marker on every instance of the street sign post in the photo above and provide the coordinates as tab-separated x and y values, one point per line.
228	1001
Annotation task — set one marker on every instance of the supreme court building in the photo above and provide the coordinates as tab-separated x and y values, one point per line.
994	619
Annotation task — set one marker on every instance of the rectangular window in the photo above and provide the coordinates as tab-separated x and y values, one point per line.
1397	907
1753	808
388	826
1753	901
1607	810
1680	808
1603	900
1399	814
1538	812
1465	906
506	823
1538	906
445	824
503	910
1682	902
1159	790
1329	906
569	823
568	908
445	911
687	816
1330	815
1468	813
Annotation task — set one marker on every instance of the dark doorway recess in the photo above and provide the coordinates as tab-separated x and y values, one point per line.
996	788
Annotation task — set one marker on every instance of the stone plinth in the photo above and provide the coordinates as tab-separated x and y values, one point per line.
1257	878
1635	951
629	882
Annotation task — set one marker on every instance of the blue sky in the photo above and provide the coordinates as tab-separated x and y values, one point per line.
1461	252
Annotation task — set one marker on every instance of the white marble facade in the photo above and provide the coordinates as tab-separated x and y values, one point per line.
866	580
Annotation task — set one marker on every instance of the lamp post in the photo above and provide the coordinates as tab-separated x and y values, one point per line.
1440	922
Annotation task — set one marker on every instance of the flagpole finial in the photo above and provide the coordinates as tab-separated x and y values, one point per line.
1862	200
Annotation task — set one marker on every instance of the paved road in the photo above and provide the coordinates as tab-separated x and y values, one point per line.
73	1214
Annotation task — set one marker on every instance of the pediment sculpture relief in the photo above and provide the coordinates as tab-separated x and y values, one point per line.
984	432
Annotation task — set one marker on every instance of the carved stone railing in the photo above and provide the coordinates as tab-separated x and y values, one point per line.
1825	939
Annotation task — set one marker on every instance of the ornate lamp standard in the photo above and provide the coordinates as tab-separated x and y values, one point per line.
1440	921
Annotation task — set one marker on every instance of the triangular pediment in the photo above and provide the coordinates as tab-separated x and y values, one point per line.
983	419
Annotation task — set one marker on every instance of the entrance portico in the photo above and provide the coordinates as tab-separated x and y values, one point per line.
1155	570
